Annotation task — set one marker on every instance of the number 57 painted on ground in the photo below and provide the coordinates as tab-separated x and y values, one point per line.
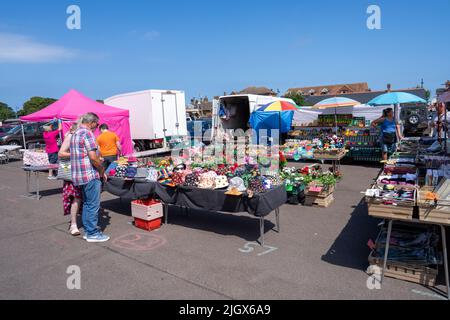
250	247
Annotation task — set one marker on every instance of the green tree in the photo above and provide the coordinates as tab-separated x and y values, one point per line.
6	112
35	104
427	95
296	96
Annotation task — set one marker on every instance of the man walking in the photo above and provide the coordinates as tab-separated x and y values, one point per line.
86	172
109	145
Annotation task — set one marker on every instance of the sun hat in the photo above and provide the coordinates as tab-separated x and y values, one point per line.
152	174
207	180
237	183
191	180
121	171
164	178
221	182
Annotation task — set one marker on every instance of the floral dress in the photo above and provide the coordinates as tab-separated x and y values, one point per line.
70	192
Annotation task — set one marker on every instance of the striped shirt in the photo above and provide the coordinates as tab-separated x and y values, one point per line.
82	141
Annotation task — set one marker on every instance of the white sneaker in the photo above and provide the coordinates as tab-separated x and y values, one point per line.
74	230
99	237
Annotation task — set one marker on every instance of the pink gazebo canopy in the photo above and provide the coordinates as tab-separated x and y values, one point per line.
74	104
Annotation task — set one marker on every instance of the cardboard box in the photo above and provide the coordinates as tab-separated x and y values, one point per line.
146	210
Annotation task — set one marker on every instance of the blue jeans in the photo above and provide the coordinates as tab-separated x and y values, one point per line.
91	206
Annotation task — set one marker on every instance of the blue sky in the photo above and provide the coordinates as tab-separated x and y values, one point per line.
209	47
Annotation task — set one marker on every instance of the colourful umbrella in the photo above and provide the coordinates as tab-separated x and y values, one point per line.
336	102
279	106
395	98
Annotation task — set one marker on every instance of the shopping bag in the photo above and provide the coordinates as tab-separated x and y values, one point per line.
64	170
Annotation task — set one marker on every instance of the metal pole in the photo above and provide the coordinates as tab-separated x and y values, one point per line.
166	212
23	136
28	181
261	231
277	216
444	249
37	185
386	250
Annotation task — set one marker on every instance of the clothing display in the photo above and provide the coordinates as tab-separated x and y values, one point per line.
35	157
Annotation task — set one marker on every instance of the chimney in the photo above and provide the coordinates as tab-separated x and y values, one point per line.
388	87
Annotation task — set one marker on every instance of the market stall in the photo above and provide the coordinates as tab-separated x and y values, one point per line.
200	185
412	195
73	104
315	127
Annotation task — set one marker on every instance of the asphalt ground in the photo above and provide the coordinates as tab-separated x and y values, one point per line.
320	253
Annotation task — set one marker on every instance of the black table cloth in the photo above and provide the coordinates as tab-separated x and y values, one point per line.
259	205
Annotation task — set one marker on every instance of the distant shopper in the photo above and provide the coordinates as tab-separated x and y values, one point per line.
439	121
87	169
390	132
72	197
109	145
51	146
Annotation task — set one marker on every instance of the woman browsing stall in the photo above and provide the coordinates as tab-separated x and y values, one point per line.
72	196
390	132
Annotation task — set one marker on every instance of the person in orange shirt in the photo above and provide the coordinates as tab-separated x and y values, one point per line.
109	145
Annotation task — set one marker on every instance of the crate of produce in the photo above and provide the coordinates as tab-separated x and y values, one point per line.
147	210
390	211
319	201
319	191
431	208
383	205
417	274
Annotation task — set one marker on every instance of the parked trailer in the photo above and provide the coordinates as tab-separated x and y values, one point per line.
156	117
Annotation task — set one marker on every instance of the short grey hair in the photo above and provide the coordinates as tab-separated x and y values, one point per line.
89	117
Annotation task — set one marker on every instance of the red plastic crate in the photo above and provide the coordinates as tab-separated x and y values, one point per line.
147	225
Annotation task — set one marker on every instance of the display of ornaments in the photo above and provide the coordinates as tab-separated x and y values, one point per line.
121	171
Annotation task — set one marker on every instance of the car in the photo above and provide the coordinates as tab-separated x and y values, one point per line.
205	124
415	119
33	135
4	129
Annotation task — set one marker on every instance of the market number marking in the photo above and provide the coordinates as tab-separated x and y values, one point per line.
139	241
250	247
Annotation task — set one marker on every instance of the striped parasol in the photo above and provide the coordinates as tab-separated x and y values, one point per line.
279	106
336	102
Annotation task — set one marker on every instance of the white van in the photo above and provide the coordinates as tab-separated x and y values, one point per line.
155	116
238	108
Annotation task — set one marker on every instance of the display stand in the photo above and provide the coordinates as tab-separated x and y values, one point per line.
37	170
444	248
261	220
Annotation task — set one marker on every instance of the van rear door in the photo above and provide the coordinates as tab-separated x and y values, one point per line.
170	114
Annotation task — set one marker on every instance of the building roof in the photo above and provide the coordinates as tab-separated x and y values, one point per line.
364	97
263	91
334	89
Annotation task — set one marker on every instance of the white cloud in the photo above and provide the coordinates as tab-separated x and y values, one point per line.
151	35
15	48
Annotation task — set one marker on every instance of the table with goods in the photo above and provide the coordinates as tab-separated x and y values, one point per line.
324	138
412	195
198	181
35	162
8	151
